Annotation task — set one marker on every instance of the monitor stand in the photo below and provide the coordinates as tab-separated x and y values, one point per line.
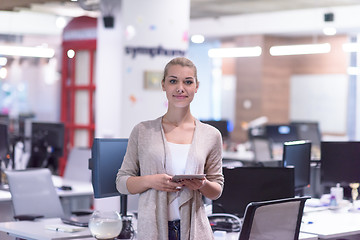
127	231
299	192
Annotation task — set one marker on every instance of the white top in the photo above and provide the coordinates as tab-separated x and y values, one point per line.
179	153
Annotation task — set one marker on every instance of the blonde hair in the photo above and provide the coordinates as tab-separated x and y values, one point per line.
182	61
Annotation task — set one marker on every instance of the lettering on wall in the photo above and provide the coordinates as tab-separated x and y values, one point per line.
153	51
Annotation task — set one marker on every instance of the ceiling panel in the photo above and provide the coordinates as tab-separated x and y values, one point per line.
199	8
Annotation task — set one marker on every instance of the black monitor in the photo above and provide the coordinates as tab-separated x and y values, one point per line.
340	162
4	142
4	119
310	131
298	155
249	184
47	144
280	133
107	155
221	125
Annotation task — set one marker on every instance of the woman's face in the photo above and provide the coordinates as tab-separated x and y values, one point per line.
180	85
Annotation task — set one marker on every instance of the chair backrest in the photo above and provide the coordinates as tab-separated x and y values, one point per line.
276	219
77	165
33	192
262	149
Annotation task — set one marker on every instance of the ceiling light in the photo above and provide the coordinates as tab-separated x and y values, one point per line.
60	22
70	53
27	51
300	49
329	31
197	38
3	61
235	52
3	73
351	47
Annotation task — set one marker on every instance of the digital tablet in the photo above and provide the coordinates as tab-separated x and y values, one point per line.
178	178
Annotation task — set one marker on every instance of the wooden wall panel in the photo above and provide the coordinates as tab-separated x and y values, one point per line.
265	80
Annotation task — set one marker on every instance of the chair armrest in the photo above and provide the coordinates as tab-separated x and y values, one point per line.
82	212
27	217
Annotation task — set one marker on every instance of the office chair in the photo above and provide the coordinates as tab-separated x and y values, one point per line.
262	149
273	220
33	194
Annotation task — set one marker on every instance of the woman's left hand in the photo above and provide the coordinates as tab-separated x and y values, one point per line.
194	184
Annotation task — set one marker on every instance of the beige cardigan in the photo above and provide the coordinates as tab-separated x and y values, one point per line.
148	153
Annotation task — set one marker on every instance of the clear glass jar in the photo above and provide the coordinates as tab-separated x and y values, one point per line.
105	225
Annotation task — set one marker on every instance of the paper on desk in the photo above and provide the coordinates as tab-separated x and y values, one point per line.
64	228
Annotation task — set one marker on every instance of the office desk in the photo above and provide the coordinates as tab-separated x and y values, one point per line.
78	188
36	230
235	236
246	156
332	224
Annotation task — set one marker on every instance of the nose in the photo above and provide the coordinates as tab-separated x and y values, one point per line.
179	90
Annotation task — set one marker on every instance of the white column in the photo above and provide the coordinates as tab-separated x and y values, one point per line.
154	29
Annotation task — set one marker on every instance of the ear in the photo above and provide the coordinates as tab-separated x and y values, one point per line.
197	86
163	85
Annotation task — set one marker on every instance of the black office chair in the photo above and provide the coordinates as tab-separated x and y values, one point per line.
273	220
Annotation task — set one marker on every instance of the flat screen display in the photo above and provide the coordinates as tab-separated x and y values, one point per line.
4	141
221	125
47	144
107	155
251	184
340	162
298	155
281	133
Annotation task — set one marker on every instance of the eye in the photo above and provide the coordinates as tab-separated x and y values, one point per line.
189	82
172	81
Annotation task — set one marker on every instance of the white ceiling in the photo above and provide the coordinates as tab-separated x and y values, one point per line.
199	8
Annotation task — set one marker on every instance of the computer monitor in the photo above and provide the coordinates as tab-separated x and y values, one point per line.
47	144
280	133
340	162
107	155
250	184
4	142
298	155
277	134
310	131
221	125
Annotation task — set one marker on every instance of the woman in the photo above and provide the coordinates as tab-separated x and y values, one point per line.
175	143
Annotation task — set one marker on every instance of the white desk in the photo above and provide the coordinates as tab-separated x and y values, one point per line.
329	224
246	156
302	236
78	188
36	230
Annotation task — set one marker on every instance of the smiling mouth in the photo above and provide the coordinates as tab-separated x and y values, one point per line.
179	96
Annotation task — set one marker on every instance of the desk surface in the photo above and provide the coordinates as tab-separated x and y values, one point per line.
328	224
246	156
37	230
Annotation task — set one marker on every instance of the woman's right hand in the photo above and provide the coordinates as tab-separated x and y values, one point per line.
162	182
